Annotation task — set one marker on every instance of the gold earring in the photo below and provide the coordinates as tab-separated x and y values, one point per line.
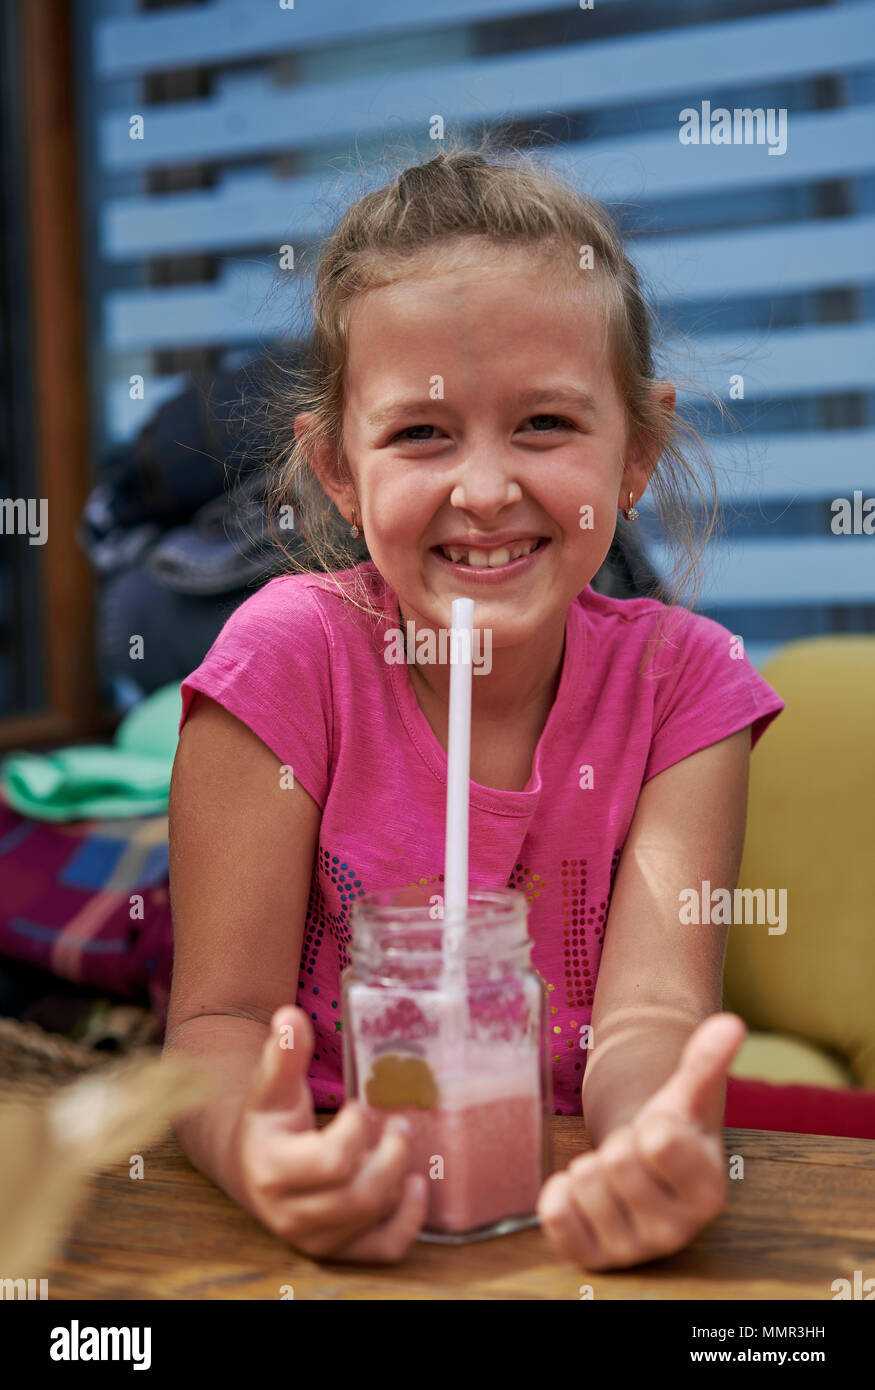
354	530
631	512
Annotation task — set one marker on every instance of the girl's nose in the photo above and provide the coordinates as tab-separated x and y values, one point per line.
484	487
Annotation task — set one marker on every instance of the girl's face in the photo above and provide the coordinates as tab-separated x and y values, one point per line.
481	413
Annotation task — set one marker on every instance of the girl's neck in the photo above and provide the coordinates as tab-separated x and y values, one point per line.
518	691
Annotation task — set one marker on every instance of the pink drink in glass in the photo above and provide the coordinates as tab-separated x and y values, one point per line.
461	1055
475	1109
483	1160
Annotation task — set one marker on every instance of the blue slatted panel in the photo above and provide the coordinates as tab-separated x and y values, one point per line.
579	76
794	465
221	33
767	263
819	254
262	207
834	570
808	255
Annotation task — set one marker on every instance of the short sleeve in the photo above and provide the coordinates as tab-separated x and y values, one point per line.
710	690
270	668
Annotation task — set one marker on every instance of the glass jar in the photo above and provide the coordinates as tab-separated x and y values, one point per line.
460	1052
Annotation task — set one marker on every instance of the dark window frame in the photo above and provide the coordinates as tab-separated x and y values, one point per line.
51	391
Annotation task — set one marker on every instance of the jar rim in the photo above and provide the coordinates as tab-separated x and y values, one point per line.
387	908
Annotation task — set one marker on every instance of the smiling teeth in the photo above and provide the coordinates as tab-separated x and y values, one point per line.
488	559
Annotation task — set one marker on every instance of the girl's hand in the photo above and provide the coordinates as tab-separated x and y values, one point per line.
654	1183
342	1192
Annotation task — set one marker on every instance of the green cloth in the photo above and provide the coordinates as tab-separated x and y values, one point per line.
129	777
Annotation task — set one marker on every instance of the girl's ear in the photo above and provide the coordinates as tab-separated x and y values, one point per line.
323	461
645	451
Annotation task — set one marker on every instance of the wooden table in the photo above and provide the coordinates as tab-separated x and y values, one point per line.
802	1216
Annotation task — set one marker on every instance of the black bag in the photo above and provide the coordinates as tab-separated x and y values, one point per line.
185	494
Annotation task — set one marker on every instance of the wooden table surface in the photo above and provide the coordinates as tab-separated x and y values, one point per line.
802	1216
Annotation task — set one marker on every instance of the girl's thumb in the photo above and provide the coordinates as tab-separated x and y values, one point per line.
285	1057
694	1088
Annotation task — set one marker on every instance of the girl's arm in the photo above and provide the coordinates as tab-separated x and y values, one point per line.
242	847
658	978
241	857
655	1082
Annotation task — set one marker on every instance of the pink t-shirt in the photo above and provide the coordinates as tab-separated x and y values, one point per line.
307	673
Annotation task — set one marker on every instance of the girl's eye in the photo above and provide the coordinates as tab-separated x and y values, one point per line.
409	431
562	423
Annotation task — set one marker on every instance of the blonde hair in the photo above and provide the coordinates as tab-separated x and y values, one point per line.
504	198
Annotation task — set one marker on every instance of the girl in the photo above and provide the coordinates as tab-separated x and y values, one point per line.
481	404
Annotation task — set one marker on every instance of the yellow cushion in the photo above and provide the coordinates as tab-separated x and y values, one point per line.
811	827
775	1057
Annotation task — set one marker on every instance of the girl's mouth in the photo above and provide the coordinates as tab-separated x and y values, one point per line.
490	572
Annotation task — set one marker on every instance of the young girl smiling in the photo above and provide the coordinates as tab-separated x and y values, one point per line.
482	406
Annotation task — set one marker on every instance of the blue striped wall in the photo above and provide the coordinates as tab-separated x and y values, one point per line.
761	264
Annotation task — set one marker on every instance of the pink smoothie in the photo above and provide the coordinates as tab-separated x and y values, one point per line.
471	1090
490	1155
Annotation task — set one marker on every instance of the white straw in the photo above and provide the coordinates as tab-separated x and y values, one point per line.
458	781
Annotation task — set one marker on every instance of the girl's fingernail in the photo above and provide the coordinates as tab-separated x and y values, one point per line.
399	1125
